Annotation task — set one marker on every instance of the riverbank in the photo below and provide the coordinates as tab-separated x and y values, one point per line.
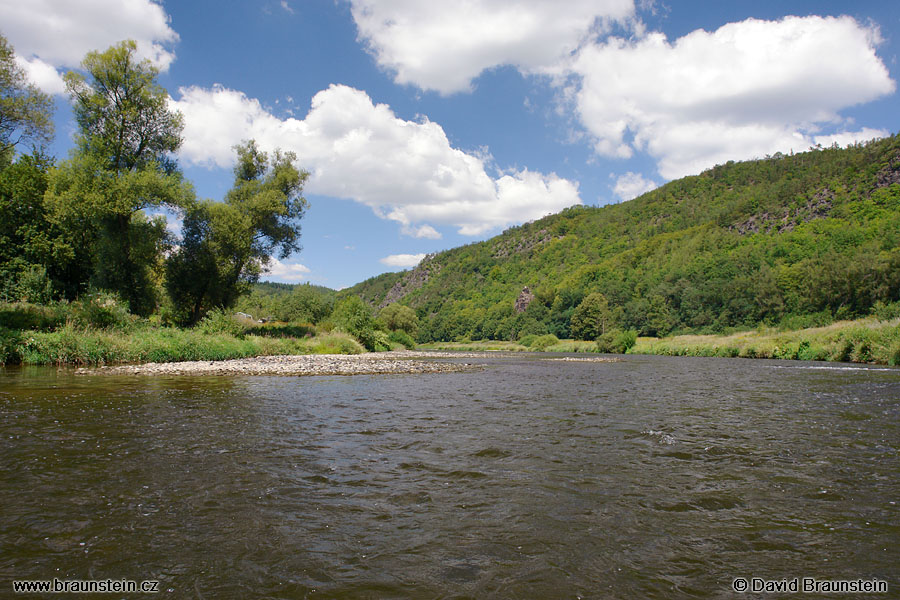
71	345
397	362
868	340
862	341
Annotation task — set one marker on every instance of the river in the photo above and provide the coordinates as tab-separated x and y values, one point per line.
653	477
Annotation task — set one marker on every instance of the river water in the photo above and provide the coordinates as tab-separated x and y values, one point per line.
654	477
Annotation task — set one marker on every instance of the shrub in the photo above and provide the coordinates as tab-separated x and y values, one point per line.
35	286
886	312
528	340
218	321
103	310
402	338
543	342
617	341
24	316
283	330
9	346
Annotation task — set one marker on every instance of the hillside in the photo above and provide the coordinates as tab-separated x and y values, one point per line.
796	240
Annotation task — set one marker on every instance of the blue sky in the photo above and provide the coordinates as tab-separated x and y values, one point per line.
427	125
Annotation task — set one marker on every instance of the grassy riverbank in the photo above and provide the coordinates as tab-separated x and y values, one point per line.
89	334
78	346
868	340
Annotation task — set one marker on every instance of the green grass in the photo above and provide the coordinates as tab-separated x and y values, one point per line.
868	340
70	345
97	332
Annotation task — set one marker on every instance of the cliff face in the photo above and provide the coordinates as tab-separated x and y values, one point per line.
411	281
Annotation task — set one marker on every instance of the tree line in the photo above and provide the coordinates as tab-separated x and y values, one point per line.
93	221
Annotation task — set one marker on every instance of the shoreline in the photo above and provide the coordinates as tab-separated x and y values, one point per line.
371	363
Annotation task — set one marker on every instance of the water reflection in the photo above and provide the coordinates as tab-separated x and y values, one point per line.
653	477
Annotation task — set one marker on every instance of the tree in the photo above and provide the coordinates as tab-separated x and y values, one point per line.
594	317
25	111
397	317
121	166
228	244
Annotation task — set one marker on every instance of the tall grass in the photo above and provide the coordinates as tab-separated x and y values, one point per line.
868	340
99	331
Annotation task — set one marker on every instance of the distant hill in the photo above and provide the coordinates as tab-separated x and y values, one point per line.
796	239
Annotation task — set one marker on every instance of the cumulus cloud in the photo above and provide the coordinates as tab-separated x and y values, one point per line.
443	46
743	91
286	272
51	34
403	261
42	74
405	171
631	185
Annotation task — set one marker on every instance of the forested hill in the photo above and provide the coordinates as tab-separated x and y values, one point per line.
800	240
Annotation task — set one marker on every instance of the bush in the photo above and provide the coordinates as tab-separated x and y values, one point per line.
103	310
218	321
34	285
283	330
24	316
402	338
617	341
543	342
9	346
528	340
886	312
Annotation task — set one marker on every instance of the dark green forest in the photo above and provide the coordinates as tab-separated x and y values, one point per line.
790	240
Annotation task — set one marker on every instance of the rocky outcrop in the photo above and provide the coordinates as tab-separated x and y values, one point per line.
412	280
525	298
889	174
817	207
507	247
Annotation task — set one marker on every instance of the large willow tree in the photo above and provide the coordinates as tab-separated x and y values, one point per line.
122	164
228	244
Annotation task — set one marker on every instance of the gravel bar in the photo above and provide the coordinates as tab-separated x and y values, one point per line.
307	364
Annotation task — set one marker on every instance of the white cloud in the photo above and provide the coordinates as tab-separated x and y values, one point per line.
405	171
631	185
443	46
847	138
58	33
403	261
743	91
286	272
43	75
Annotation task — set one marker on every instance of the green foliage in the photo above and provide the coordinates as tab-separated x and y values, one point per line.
398	336
10	344
282	330
886	312
616	341
34	285
26	113
102	310
354	316
227	245
795	240
593	317
397	317
542	343
122	165
24	316
220	321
